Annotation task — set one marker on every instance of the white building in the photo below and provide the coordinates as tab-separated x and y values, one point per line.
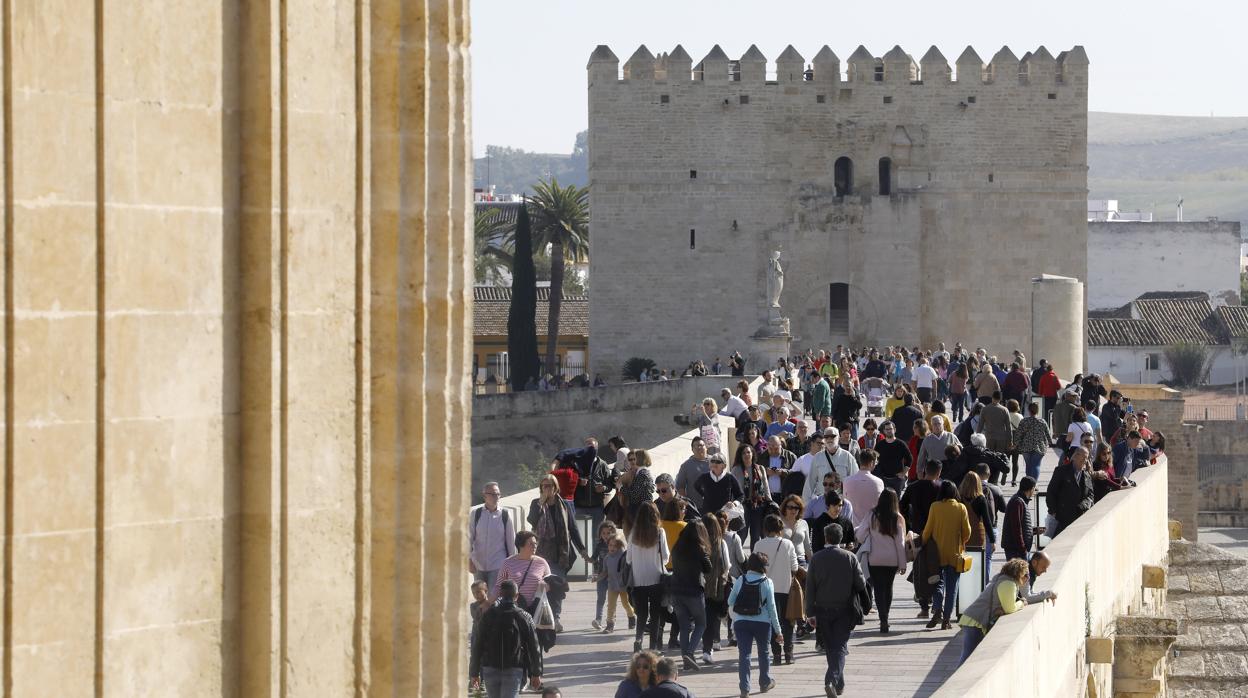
1127	259
1130	341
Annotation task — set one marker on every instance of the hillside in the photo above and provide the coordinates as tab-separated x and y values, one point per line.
1145	161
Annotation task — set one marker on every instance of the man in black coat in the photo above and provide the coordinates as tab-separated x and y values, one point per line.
1070	491
905	417
505	649
833	582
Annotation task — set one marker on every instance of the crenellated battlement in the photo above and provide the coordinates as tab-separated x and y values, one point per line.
896	67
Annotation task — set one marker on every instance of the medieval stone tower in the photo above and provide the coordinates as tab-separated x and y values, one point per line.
910	203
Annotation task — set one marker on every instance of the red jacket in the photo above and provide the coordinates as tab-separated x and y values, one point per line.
567	477
1049	384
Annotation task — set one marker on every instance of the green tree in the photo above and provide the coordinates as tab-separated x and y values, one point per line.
522	316
493	246
562	222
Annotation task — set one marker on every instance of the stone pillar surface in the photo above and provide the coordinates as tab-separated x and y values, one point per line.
236	347
1057	321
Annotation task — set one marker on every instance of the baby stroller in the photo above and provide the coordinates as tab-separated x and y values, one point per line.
875	392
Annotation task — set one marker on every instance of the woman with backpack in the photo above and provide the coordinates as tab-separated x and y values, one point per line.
753	606
783	563
647	555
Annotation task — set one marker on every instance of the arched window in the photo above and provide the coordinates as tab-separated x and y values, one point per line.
886	176
843	176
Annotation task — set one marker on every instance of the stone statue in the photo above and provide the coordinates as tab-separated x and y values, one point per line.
775	280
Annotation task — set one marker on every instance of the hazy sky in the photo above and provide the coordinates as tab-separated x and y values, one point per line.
1149	57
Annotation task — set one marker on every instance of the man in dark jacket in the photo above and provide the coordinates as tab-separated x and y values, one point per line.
1130	455
1019	529
1111	418
918	497
667	673
835	514
905	416
980	452
595	482
995	425
832	583
1070	491
1016	385
505	648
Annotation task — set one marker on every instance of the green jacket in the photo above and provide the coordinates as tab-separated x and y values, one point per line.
821	398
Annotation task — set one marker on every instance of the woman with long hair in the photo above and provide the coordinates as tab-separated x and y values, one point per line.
920	433
691	564
640	675
884	534
780	569
948	525
550	517
1104	479
971	494
749	472
1079	427
716	583
648	555
636	485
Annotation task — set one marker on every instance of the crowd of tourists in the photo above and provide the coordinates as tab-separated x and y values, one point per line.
847	471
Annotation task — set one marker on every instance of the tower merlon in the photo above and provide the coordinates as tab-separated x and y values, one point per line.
640	65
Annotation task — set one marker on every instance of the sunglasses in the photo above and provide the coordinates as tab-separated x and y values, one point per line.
793	507
664	491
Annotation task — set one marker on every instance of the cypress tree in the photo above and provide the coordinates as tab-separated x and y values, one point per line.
521	322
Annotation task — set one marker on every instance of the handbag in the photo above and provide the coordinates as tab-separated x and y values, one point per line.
795	609
912	546
864	551
963	563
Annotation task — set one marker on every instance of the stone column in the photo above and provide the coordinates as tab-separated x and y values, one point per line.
1057	323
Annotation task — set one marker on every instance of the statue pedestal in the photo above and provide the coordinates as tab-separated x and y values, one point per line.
769	343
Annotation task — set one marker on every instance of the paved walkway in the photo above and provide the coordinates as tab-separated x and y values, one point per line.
909	661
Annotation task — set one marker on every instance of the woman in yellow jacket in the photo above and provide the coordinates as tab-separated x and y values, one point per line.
949	527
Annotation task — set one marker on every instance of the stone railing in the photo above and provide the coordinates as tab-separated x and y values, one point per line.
1104	568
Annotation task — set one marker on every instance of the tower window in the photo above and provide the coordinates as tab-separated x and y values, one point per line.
693	174
692	239
745	99
1052	95
664	99
970	100
989	176
838	310
843	176
886	176
820	99
888	100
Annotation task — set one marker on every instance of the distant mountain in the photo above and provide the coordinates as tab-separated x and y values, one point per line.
1144	161
1149	162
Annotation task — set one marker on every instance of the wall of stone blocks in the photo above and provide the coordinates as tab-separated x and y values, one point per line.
214	257
1183	443
989	191
1197	256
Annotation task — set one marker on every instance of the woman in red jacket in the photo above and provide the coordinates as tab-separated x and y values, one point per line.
920	433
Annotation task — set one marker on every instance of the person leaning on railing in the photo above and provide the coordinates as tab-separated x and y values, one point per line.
1001	597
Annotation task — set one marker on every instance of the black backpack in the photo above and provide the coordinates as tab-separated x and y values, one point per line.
749	599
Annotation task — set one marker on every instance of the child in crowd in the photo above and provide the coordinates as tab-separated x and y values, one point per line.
606	533
478	607
617	582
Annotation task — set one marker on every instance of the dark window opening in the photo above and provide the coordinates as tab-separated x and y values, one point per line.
838	309
929	176
745	99
693	174
970	100
1052	95
692	241
820	99
843	176
888	100
886	176
879	73
989	176
664	99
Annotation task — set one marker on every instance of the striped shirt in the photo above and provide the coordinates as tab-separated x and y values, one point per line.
514	569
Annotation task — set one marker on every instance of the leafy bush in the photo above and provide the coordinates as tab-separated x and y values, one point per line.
1189	364
634	366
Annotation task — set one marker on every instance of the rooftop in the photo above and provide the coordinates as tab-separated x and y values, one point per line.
492	303
1160	318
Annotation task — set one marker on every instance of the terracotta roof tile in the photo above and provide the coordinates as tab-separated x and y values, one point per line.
492	303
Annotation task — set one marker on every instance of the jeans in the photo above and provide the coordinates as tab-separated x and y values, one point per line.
1015	554
602	596
646	602
896	484
501	683
882	582
971	637
837	624
1032	462
489	577
786	626
946	591
749	634
754	521
691	614
713	623
957	406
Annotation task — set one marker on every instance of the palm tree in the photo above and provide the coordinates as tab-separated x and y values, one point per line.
562	221
493	245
